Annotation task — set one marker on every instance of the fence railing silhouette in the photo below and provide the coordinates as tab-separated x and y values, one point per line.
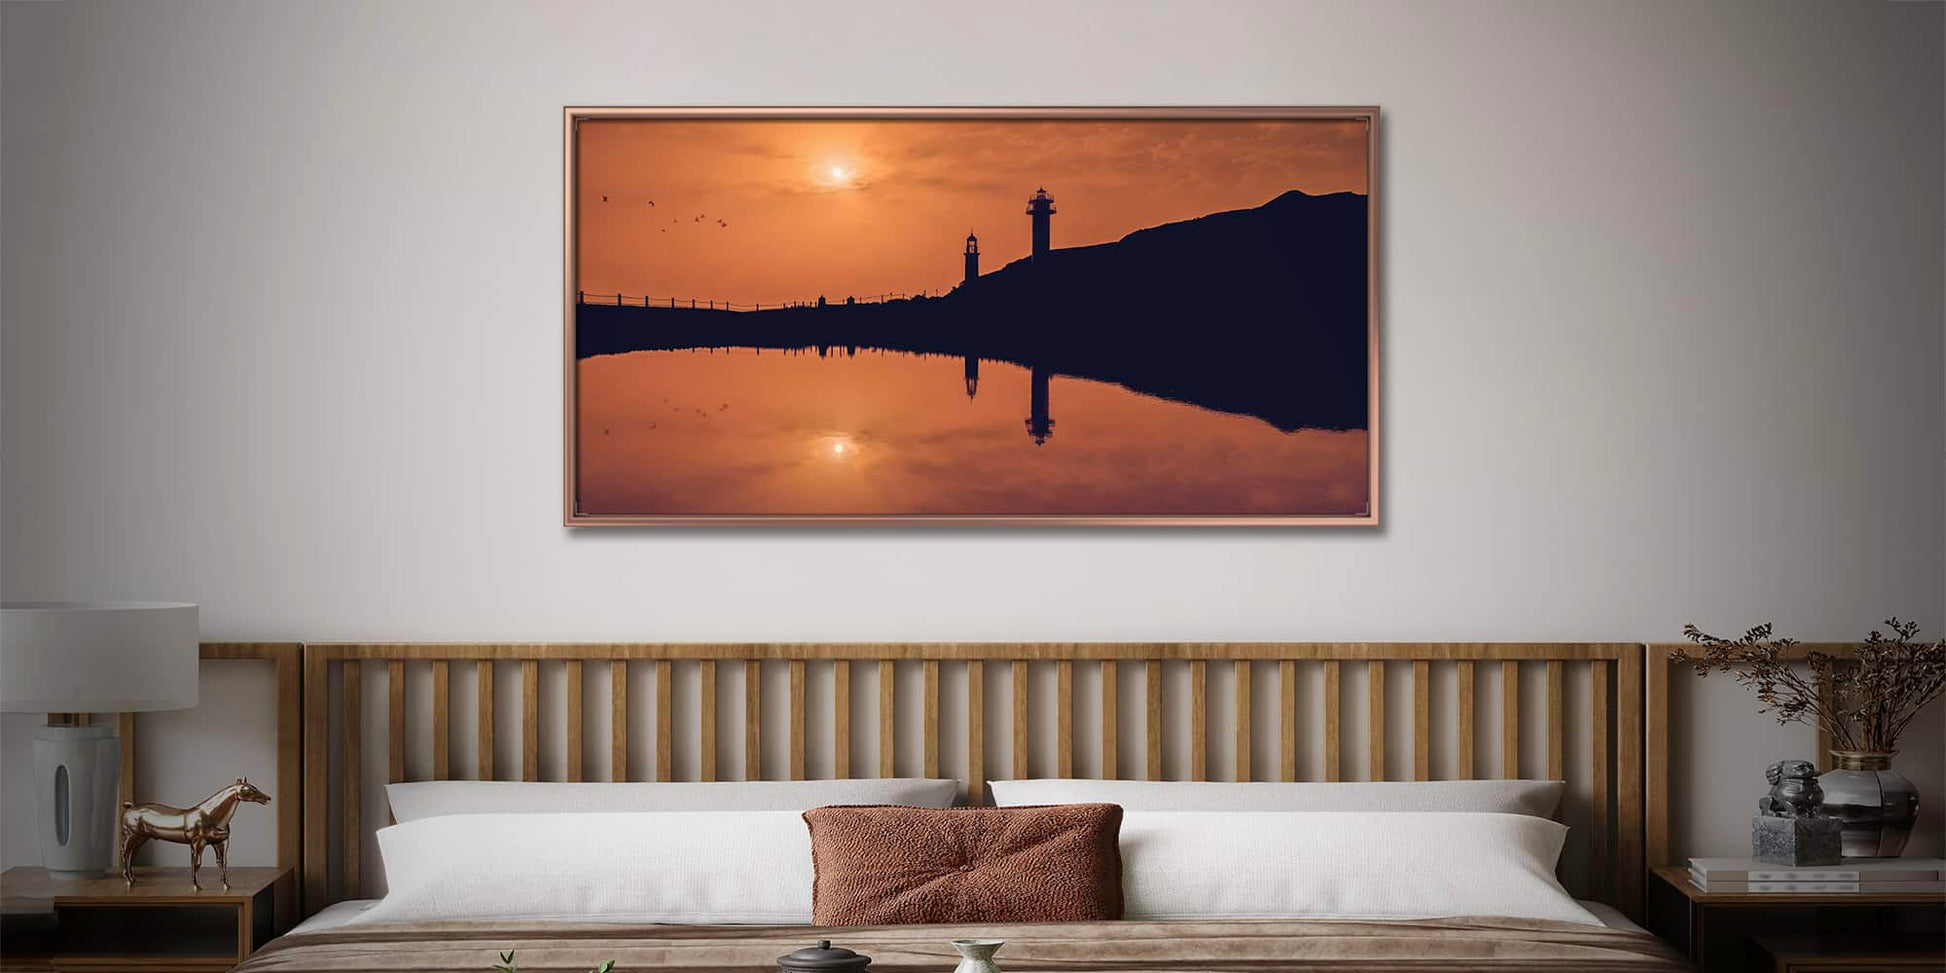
710	304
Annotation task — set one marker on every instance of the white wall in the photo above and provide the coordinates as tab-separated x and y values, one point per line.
1662	325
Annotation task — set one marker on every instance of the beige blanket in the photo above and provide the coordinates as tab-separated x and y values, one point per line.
1230	947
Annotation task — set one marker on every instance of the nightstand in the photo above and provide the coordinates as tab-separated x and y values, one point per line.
162	924
1733	932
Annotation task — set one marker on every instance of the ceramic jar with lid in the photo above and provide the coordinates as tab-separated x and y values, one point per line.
823	958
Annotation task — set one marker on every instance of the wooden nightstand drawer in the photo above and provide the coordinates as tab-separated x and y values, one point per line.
1849	954
162	925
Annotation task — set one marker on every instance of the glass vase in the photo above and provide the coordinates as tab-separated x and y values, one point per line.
1876	803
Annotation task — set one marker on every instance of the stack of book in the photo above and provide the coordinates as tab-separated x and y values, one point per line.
1864	876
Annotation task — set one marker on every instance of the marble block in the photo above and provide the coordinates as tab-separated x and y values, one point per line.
1816	840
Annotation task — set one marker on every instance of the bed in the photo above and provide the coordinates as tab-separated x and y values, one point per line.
1188	711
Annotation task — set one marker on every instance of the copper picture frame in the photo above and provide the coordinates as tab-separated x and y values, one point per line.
576	514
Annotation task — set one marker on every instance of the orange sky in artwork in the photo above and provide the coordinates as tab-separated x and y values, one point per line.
775	211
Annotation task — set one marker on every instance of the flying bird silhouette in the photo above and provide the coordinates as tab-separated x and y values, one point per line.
604	198
651	203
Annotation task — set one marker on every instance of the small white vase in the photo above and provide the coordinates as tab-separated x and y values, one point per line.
976	955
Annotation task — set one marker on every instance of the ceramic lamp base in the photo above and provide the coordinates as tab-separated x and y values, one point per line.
77	776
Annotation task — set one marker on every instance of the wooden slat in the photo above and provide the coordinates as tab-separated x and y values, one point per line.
1656	784
1464	728
618	720
1019	671
442	720
1152	688
317	717
1110	732
1287	719
1375	718
665	720
930	732
797	719
1064	717
1629	866
1421	720
1332	751
484	732
976	732
125	728
576	745
354	775
1198	720
1244	770
1556	722
1510	719
887	721
754	719
1598	780
841	712
706	720
289	661
530	719
395	721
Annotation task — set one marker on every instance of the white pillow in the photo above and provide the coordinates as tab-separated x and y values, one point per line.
424	799
675	866
1536	797
1342	865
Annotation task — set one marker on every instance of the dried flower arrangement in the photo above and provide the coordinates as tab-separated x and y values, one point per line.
506	965
1871	699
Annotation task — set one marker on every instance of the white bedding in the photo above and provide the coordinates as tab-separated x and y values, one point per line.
339	913
700	867
1343	865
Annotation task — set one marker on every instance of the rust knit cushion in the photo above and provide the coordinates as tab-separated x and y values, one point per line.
878	865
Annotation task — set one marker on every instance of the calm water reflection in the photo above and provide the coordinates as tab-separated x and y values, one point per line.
743	432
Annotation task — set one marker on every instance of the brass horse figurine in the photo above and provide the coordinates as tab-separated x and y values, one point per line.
207	823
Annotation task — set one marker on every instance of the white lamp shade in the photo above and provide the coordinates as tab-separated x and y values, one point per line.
97	657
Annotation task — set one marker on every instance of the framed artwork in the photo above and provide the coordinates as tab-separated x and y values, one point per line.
1078	316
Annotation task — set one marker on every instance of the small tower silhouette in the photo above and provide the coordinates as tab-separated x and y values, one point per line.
1041	208
1039	424
972	256
972	376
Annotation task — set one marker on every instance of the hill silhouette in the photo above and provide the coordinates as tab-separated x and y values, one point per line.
1259	311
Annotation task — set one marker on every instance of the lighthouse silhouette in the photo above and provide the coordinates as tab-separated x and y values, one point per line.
1041	208
972	257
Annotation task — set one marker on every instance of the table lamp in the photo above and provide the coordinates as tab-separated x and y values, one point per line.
68	659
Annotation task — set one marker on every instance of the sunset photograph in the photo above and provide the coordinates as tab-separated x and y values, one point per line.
972	317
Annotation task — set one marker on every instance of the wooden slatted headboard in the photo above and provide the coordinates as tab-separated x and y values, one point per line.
1605	797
